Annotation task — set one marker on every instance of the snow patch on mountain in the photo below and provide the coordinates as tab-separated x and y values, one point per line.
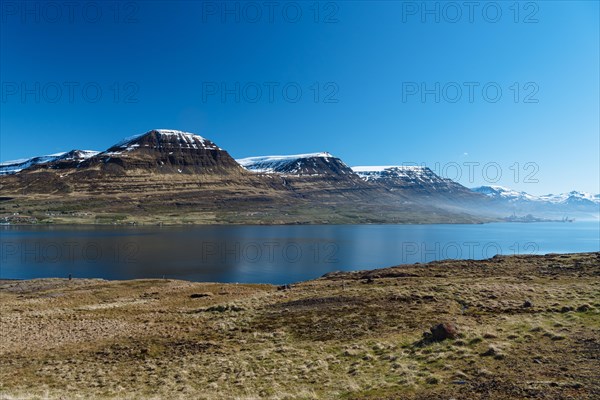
77	155
371	168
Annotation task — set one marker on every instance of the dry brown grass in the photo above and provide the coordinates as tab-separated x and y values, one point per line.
352	335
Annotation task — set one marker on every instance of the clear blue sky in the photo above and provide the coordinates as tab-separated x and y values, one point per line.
168	61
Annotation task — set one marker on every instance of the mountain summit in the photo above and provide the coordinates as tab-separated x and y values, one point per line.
164	139
169	151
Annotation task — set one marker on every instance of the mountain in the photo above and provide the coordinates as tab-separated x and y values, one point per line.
170	151
297	165
503	193
12	167
573	204
157	151
513	196
321	177
159	176
416	178
327	179
417	182
160	150
169	176
573	197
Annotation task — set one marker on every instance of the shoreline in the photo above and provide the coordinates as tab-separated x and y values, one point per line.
256	224
191	225
338	274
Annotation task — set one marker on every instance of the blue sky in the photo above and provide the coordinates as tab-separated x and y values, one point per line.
381	83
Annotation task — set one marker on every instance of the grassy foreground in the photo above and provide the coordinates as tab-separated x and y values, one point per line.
528	327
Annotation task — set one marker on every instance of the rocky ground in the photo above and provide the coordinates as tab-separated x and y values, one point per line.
510	327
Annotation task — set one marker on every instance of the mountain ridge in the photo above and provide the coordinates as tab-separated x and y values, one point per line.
170	175
514	195
571	204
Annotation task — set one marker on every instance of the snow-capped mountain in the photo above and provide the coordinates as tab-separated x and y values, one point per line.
573	204
510	195
422	185
571	197
12	167
158	150
500	192
167	151
297	165
416	179
404	175
163	139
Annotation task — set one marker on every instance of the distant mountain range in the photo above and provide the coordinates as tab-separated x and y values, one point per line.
169	176
513	196
573	204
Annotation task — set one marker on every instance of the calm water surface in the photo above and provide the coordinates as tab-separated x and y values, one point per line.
269	254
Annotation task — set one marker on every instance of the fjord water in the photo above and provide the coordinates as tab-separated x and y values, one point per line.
268	254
